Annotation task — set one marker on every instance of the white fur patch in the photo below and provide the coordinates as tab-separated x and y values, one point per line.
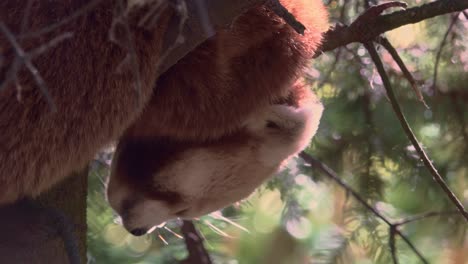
295	129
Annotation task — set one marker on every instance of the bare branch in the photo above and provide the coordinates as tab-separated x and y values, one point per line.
339	36
128	44
424	216
404	123
27	61
194	243
282	12
82	11
396	57
52	43
332	175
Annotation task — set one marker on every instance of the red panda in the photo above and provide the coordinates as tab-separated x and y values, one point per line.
231	96
238	110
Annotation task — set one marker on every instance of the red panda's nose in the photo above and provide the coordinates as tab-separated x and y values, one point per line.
138	231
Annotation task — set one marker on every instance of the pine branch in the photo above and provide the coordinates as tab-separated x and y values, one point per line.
332	175
409	132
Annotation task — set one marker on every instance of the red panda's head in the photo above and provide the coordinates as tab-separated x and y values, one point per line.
155	181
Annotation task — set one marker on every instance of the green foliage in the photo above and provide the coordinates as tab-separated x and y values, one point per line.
300	216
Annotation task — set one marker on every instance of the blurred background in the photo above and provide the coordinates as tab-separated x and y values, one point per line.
300	216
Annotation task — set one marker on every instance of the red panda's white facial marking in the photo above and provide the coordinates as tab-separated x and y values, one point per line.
188	180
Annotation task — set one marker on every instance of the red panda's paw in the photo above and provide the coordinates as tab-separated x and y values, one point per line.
285	130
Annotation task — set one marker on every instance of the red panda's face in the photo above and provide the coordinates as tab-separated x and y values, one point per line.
153	181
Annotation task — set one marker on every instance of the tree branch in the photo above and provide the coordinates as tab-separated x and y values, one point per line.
282	12
404	123
424	216
194	243
22	57
375	25
396	57
332	175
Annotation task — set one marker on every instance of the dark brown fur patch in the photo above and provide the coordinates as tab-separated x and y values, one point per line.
138	161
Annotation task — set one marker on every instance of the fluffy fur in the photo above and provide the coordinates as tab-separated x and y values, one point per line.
95	101
239	128
212	114
156	180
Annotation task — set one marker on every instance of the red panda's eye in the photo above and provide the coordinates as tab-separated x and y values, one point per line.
271	124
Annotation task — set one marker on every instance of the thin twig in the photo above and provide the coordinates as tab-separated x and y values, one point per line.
15	65
396	57
12	72
404	123
423	216
439	52
82	11
52	43
339	36
289	18
121	18
27	62
332	175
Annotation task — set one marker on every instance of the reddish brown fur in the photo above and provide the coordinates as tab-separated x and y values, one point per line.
205	96
249	65
94	103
